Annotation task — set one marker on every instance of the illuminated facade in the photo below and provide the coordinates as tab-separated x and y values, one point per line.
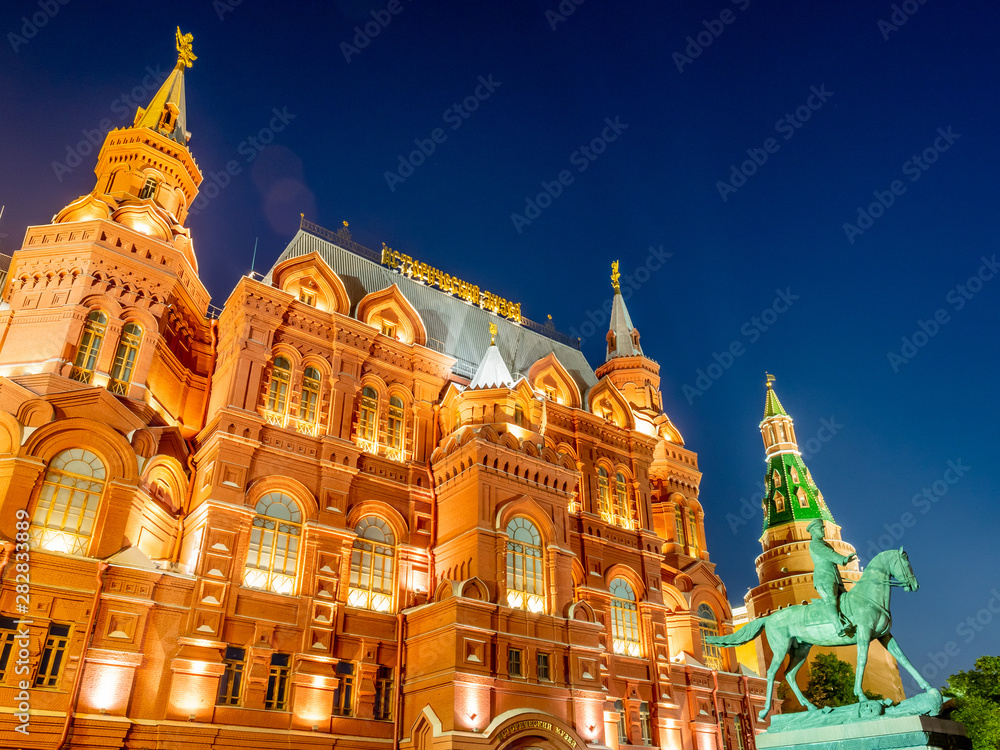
351	510
792	501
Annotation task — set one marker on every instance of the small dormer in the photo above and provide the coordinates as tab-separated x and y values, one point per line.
311	281
389	312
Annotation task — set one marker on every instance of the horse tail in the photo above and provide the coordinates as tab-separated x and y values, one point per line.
744	635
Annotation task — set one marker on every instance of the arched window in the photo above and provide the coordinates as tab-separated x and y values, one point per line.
779	502
708	625
67	503
372	561
603	495
274	544
623	508
525	580
124	364
692	530
679	524
518	415
624	619
309	403
90	346
277	395
394	428
368	416
148	190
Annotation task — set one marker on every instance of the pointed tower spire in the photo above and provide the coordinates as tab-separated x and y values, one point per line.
492	371
623	338
791	495
167	112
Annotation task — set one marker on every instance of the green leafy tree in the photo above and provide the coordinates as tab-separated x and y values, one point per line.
831	682
977	702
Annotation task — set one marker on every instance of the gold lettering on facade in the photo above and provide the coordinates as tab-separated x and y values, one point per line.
419	271
536	724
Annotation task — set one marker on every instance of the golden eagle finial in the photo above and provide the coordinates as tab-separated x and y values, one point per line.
185	57
615	276
493	333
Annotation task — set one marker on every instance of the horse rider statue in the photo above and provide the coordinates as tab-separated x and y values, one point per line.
826	576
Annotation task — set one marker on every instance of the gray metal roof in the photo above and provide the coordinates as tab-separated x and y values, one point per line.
458	329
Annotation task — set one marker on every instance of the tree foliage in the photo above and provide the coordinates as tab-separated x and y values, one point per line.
831	682
977	699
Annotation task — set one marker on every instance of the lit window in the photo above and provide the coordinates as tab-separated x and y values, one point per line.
394	425
53	656
90	346
776	476
231	682
8	629
623	508
794	474
543	667
603	495
124	364
645	723
624	619
738	731
803	499
525	581
307	296
514	662
372	561
277	394
518	415
692	530
274	545
708	625
148	190
67	503
622	723
779	502
276	698
679	525
368	414
343	694
383	694
458	419
388	329
309	403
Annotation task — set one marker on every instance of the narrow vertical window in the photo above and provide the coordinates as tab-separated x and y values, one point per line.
394	429
53	656
276	698
622	723
67	503
383	694
738	732
645	723
603	495
368	416
231	682
90	346
148	190
518	415
543	667
779	502
343	694
692	530
277	394
372	561
623	509
8	629
624	619
708	625
309	403
124	364
525	580
274	545
679	524
514	662
458	419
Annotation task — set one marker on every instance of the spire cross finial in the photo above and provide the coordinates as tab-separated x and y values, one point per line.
185	57
615	276
770	379
493	333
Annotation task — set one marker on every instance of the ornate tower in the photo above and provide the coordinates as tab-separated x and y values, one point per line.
792	500
108	294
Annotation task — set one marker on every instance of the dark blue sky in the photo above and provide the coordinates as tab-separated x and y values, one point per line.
852	115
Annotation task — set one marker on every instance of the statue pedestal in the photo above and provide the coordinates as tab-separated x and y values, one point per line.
885	733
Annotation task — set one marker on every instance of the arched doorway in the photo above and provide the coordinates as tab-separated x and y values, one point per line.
536	732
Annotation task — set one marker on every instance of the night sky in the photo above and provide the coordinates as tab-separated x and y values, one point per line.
718	149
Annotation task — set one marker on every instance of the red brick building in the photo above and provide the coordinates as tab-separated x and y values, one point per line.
366	505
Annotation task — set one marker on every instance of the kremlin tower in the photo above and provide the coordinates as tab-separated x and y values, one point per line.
792	501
